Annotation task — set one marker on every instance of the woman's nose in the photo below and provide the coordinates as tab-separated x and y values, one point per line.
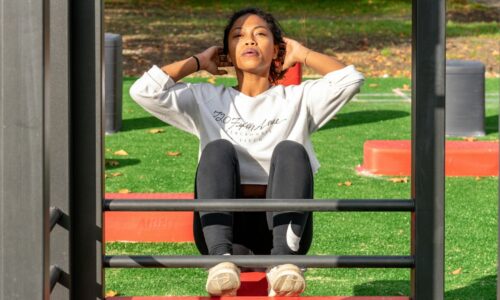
250	43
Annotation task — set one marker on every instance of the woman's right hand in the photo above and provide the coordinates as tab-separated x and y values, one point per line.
211	62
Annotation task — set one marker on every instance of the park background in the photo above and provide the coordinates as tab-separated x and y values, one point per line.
374	35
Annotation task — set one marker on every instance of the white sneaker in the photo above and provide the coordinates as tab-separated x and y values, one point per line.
285	280
223	279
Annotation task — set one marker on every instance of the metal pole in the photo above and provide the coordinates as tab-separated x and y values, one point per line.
258	205
86	173
256	261
58	147
24	209
427	180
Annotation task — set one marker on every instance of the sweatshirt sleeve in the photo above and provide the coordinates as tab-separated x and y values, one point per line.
173	103
324	97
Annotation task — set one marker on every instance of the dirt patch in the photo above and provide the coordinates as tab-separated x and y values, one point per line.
489	14
395	61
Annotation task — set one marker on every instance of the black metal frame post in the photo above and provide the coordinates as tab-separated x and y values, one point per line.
86	168
428	141
24	209
58	148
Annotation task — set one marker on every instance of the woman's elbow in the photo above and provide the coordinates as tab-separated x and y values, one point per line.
136	92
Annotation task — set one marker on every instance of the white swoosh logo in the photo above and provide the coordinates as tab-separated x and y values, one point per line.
292	240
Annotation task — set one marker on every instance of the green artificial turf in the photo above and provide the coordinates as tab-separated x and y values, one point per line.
471	203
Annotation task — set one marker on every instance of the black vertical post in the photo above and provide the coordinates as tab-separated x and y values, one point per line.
428	142
58	145
86	174
24	199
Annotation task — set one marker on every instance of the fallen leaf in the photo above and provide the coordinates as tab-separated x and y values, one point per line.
112	163
111	293
116	174
348	183
121	153
470	139
373	85
477	178
156	130
340	184
173	153
406	87
211	80
108	150
398	179
457	271
124	191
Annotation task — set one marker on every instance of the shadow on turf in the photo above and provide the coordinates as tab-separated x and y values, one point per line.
363	117
483	288
383	288
491	124
141	123
116	163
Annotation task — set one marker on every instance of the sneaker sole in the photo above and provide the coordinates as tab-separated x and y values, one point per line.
288	283
224	282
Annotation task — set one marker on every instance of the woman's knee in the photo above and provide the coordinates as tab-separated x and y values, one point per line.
218	166
219	149
291	150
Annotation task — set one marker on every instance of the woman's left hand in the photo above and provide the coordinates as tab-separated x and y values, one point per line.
294	52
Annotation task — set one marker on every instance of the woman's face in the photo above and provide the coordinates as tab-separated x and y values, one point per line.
251	45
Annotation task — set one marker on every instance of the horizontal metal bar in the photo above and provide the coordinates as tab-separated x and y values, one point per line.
257	261
55	215
258	205
55	274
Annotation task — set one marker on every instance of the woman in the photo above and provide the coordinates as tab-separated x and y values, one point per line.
254	140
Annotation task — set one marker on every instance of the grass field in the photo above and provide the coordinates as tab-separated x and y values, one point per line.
471	203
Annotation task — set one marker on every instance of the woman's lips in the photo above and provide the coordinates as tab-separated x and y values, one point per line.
250	52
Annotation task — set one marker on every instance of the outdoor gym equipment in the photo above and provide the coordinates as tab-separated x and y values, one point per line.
52	155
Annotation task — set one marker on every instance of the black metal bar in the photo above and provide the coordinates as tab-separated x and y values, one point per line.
55	215
258	205
86	167
255	261
428	141
58	143
24	208
55	274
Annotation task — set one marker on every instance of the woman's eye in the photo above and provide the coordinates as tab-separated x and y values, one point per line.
261	33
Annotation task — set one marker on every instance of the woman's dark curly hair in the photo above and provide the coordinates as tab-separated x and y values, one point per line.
276	72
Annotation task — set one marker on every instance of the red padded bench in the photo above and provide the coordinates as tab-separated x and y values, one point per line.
463	158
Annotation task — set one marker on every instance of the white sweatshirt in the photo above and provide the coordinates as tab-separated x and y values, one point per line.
254	125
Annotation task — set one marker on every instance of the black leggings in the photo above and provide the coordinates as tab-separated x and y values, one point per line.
243	233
